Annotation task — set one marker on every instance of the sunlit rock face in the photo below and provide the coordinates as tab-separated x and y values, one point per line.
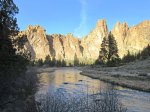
64	47
37	39
132	39
92	42
56	46
72	47
120	32
68	48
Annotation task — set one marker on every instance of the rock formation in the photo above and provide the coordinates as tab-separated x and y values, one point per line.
132	39
92	42
68	47
64	47
37	42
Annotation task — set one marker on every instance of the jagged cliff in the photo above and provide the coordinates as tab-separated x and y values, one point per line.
92	42
68	47
64	47
132	39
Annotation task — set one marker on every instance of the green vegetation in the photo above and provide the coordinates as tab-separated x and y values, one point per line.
144	54
76	60
15	84
49	62
10	62
8	22
108	54
52	62
104	52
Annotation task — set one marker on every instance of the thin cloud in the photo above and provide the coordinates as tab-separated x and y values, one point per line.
81	29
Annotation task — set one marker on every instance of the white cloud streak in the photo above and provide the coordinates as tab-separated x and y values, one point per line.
81	29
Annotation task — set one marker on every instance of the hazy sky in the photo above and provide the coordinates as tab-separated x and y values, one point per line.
79	16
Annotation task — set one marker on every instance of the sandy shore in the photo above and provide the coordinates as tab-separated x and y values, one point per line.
135	75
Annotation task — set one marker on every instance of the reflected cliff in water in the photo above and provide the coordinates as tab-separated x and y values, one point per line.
69	80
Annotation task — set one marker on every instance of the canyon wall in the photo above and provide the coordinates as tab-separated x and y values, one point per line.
86	50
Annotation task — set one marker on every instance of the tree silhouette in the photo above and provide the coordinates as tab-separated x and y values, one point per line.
146	52
12	65
109	51
9	60
53	62
113	49
104	52
47	60
130	57
63	63
40	62
8	22
76	60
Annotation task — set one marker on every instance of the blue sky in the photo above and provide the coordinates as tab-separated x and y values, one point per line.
80	16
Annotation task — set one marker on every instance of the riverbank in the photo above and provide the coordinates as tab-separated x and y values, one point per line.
18	94
36	69
135	75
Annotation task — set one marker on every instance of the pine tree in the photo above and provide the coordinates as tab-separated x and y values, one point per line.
109	52
104	52
12	65
145	53
63	63
58	63
40	62
129	57
113	49
9	60
76	60
47	60
148	47
53	62
8	22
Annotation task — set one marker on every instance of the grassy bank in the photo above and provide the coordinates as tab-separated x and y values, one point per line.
141	83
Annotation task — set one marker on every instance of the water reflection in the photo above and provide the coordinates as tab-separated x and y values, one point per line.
69	80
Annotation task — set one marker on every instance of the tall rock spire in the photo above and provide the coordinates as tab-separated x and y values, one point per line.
91	43
102	27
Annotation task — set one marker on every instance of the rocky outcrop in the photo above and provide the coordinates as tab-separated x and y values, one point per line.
68	47
132	39
38	41
64	47
92	42
120	32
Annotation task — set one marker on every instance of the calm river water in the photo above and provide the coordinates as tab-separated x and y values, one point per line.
69	80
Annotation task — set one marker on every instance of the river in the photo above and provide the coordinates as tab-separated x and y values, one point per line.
69	80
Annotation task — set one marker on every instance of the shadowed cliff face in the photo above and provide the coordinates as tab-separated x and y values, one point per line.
87	49
64	47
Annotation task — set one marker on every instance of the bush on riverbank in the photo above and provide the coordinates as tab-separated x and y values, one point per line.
106	101
17	94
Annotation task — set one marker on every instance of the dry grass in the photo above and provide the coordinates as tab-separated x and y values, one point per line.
106	101
137	83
